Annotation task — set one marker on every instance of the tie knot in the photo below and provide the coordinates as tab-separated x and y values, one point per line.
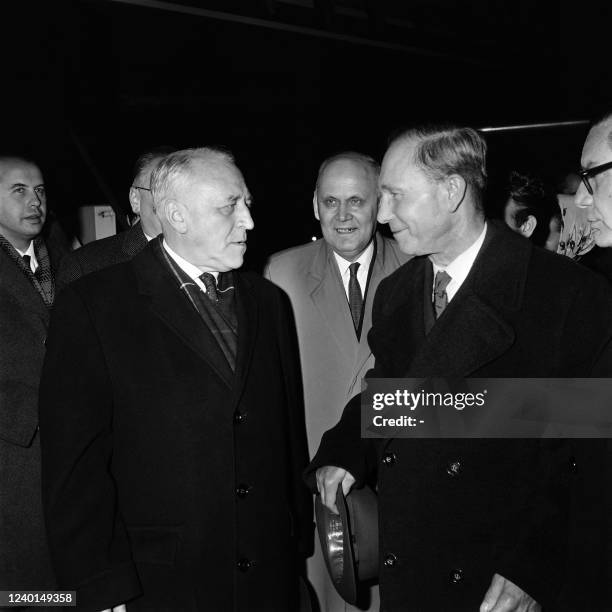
441	282
27	259
211	285
353	269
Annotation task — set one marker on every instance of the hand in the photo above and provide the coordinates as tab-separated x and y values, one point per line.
328	478
120	608
505	596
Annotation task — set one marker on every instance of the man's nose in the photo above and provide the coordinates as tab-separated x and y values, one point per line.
35	199
583	198
246	220
343	212
384	210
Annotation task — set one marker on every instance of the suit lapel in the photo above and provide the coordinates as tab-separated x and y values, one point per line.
327	294
248	320
22	289
172	307
379	271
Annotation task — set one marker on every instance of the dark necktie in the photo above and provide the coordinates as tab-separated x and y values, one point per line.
440	296
211	286
27	259
355	297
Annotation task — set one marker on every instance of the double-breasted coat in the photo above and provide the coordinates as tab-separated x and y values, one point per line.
454	512
170	482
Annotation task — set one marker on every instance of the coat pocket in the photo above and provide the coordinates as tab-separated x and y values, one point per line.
154	544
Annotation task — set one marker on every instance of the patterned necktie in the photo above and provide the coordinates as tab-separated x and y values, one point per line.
211	286
440	296
355	297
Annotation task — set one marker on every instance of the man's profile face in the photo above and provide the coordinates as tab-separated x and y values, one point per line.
346	204
597	151
23	202
142	200
215	203
411	203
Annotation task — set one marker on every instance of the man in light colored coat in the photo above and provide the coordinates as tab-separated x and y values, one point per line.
332	322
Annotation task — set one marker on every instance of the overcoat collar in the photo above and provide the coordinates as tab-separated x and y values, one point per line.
474	329
134	240
168	302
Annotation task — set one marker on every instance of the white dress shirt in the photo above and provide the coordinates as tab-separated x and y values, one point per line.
30	251
193	272
364	260
460	267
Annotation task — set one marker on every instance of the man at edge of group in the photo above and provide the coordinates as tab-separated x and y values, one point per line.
468	524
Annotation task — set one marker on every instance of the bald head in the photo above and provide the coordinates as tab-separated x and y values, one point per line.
345	202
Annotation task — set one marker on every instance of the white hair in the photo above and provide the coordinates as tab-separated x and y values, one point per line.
176	168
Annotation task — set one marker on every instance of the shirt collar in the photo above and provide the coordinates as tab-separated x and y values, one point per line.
191	270
460	267
364	259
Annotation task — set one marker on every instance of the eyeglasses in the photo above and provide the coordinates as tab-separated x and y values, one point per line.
585	175
143	188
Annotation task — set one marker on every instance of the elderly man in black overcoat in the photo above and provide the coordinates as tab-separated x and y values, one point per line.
472	524
29	254
170	386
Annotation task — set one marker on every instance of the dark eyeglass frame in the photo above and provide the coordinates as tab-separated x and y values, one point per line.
585	175
143	188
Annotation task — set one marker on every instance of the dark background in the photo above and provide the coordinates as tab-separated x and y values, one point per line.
87	84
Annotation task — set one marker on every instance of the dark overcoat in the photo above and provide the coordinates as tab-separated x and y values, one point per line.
169	482
24	318
454	512
100	254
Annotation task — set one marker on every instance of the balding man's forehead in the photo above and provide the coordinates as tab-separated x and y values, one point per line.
11	164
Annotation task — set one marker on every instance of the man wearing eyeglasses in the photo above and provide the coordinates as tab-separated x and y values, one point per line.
121	247
595	190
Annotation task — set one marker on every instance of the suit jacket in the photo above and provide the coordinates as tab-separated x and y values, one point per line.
100	254
24	558
172	484
453	512
333	359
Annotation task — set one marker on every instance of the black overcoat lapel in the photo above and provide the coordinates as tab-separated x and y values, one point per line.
171	305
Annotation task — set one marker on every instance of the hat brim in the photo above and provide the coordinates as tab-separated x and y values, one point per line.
337	546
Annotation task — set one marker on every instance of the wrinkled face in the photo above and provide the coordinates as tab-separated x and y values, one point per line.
142	200
597	151
214	203
345	203
412	204
23	203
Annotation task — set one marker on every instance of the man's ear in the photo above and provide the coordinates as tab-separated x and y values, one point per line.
315	206
528	226
175	216
135	200
455	188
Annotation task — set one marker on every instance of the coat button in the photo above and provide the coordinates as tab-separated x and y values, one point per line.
239	417
242	490
457	576
244	565
390	560
453	468
573	465
389	458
